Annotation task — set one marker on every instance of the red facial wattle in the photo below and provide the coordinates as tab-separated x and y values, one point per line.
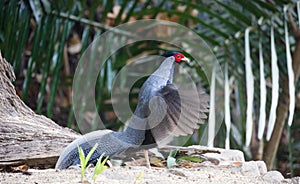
179	57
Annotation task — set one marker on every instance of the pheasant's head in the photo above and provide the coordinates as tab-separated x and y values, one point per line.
178	56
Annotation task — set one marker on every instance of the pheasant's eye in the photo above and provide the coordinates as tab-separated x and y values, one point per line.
178	56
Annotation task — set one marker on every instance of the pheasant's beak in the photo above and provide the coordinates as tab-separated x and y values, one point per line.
185	59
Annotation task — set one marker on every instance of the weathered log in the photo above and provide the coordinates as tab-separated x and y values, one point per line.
25	137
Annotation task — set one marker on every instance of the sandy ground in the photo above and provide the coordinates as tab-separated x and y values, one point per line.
129	174
217	166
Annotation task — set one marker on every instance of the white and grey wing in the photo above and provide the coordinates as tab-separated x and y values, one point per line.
184	111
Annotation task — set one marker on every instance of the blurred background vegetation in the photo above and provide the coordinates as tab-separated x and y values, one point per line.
44	39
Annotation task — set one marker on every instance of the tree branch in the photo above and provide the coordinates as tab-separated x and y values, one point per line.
295	30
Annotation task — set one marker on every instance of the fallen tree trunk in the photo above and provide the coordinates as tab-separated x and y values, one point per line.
25	137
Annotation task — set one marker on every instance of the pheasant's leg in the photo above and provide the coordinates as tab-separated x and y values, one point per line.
109	163
147	159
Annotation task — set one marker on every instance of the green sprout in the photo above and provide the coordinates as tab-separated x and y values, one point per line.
99	168
138	178
84	160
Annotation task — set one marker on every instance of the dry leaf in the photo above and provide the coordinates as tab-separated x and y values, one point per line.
156	162
237	163
74	44
187	164
136	162
20	168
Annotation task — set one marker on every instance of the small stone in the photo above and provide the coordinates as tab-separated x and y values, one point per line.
296	180
232	155
74	167
116	162
177	172
221	155
250	169
273	177
262	167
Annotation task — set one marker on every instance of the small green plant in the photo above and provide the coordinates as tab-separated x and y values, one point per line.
138	178
84	160
171	160
99	168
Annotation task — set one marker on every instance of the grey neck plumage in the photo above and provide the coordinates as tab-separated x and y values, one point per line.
163	75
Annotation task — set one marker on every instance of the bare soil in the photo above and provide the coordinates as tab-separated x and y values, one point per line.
129	174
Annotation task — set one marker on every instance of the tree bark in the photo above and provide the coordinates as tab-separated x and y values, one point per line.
25	137
283	105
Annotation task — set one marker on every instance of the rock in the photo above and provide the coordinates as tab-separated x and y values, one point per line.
250	169
220	154
273	177
262	168
296	180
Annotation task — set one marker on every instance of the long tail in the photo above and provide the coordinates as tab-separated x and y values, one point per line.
108	143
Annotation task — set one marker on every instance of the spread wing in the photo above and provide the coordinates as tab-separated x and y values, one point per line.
184	111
